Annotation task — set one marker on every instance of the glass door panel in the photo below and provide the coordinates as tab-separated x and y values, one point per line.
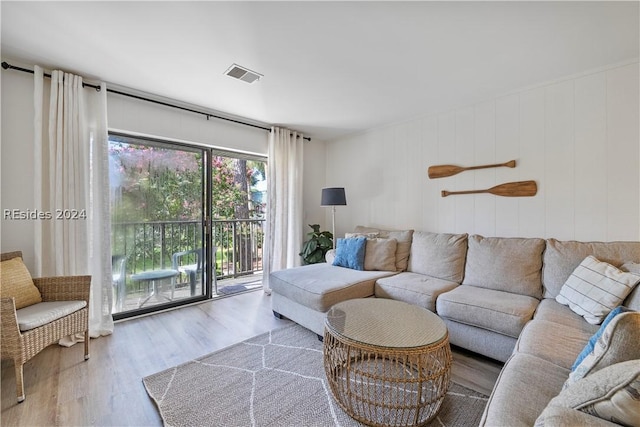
158	240
238	195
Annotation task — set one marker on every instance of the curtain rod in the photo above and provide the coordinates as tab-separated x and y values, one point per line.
8	66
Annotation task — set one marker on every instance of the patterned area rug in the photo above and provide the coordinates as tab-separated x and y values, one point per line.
274	379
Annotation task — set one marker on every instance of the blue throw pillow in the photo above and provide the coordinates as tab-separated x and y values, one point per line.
350	253
592	341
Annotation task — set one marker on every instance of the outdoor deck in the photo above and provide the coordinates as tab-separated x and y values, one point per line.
226	287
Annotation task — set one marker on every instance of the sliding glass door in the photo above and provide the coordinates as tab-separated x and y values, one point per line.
158	210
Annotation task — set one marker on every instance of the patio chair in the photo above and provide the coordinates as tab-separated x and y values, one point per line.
118	275
190	268
35	313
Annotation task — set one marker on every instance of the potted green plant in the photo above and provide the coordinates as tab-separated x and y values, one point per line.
314	249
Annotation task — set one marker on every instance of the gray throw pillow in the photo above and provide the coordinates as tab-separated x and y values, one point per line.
618	343
612	394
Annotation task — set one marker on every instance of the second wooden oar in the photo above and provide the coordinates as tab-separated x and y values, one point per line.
509	189
442	171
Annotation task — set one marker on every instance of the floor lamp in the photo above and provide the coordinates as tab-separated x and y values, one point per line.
333	196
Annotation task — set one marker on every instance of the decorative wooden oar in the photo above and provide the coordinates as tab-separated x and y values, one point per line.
442	171
509	189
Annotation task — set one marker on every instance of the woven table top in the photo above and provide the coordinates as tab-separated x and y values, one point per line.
385	323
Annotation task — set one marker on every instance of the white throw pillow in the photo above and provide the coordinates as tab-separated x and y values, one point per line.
595	288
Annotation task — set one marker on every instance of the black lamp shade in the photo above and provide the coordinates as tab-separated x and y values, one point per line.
333	196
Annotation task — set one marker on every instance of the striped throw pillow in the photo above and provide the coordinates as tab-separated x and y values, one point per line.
595	288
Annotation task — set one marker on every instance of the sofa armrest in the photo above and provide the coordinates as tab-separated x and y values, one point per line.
330	256
64	288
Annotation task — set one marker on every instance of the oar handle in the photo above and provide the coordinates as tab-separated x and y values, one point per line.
446	193
509	164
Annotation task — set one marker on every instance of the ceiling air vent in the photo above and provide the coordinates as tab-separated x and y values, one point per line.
241	73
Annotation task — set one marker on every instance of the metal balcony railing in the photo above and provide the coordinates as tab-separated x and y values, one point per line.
150	245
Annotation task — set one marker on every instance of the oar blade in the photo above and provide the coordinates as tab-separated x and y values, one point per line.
442	171
515	189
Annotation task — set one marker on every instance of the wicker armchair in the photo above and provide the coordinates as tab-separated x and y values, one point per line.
22	346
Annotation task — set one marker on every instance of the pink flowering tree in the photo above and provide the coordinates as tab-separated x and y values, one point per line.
157	184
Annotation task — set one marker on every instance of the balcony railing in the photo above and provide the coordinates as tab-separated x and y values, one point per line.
150	245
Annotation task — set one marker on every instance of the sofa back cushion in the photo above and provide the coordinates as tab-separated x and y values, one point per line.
505	264
439	255
562	257
403	237
633	299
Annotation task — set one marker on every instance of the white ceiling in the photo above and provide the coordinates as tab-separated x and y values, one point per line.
330	68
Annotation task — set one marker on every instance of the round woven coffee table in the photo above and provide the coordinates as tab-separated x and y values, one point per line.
387	362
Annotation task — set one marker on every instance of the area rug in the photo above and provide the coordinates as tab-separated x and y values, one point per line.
274	379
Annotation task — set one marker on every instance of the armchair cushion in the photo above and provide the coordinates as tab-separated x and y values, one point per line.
40	314
17	283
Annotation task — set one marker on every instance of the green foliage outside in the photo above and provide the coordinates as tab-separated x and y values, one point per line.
158	193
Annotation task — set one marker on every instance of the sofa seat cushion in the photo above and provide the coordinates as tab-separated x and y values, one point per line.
497	311
319	286
552	311
413	288
553	342
42	313
524	388
505	264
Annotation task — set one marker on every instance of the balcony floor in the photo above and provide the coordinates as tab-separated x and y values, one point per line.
226	287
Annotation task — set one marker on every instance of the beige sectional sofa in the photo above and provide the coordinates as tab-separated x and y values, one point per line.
496	295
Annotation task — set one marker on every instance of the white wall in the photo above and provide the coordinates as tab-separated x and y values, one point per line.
133	115
577	138
125	114
16	162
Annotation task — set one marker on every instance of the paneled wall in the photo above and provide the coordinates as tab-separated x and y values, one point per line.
577	138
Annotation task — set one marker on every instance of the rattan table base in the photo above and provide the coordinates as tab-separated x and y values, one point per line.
387	386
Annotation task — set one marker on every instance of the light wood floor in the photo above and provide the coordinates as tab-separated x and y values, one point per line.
107	390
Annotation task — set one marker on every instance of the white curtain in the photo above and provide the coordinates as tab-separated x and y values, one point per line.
72	183
283	230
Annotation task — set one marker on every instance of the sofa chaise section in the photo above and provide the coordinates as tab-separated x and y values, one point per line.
304	294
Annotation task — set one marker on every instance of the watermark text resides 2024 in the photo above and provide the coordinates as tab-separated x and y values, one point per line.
36	214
